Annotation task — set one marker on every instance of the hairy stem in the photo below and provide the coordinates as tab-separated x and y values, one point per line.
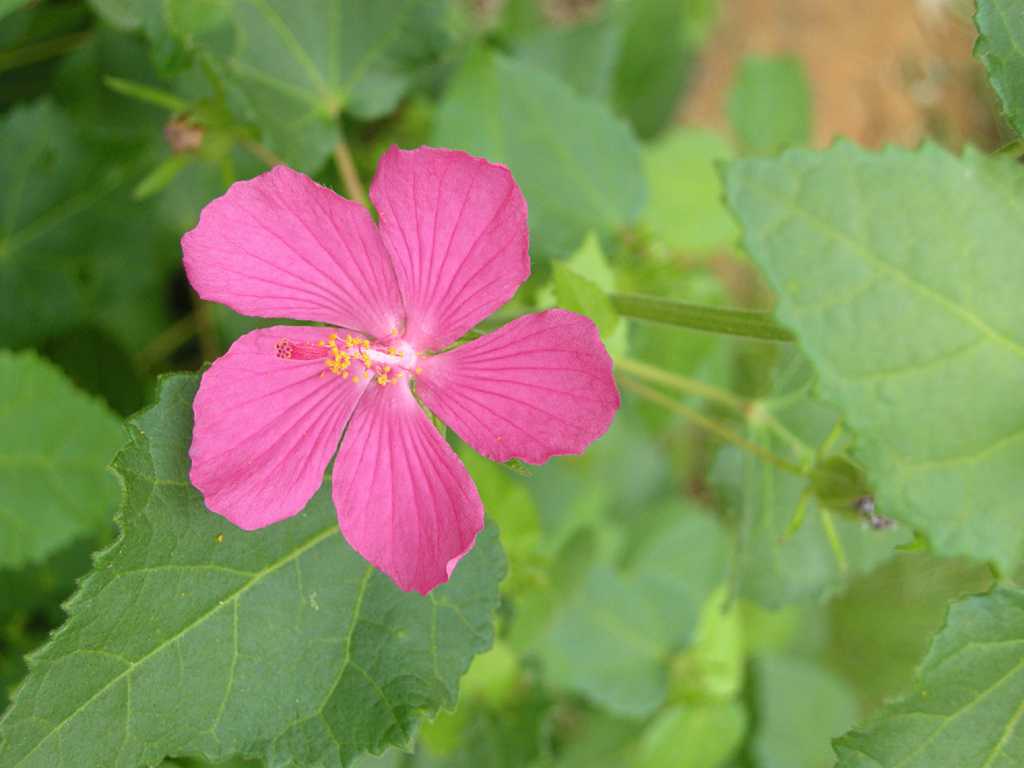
732	322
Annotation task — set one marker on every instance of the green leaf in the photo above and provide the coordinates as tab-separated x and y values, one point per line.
770	104
125	15
583	55
55	446
194	637
70	235
695	736
656	56
613	641
578	165
800	707
508	503
1000	47
900	273
300	65
776	565
10	6
578	294
966	706
96	362
687	211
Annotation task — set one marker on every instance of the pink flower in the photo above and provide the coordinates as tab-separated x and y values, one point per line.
451	248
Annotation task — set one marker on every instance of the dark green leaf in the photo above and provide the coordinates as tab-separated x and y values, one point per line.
1000	47
966	706
192	636
300	65
657	49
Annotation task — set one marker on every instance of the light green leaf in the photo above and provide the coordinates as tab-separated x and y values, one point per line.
611	645
55	446
687	210
508	503
194	637
1000	47
770	104
713	669
578	165
578	294
901	274
613	641
300	65
966	707
800	707
697	736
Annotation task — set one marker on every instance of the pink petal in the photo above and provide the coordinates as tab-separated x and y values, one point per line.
540	386
281	245
456	227
405	502
266	427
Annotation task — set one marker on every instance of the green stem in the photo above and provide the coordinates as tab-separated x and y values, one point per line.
753	411
346	166
682	383
733	322
698	418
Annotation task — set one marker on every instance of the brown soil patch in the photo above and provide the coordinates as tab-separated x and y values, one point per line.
881	71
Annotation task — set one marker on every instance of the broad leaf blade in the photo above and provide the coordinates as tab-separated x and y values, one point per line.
300	65
55	446
193	637
966	708
901	273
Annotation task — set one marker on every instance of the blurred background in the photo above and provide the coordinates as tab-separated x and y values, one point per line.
660	608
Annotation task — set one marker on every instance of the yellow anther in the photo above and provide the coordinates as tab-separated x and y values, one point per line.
419	370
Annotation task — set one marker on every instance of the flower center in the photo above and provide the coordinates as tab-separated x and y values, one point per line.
355	358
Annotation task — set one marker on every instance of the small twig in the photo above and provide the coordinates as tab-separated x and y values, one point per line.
346	166
260	151
682	383
653	395
209	348
167	341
